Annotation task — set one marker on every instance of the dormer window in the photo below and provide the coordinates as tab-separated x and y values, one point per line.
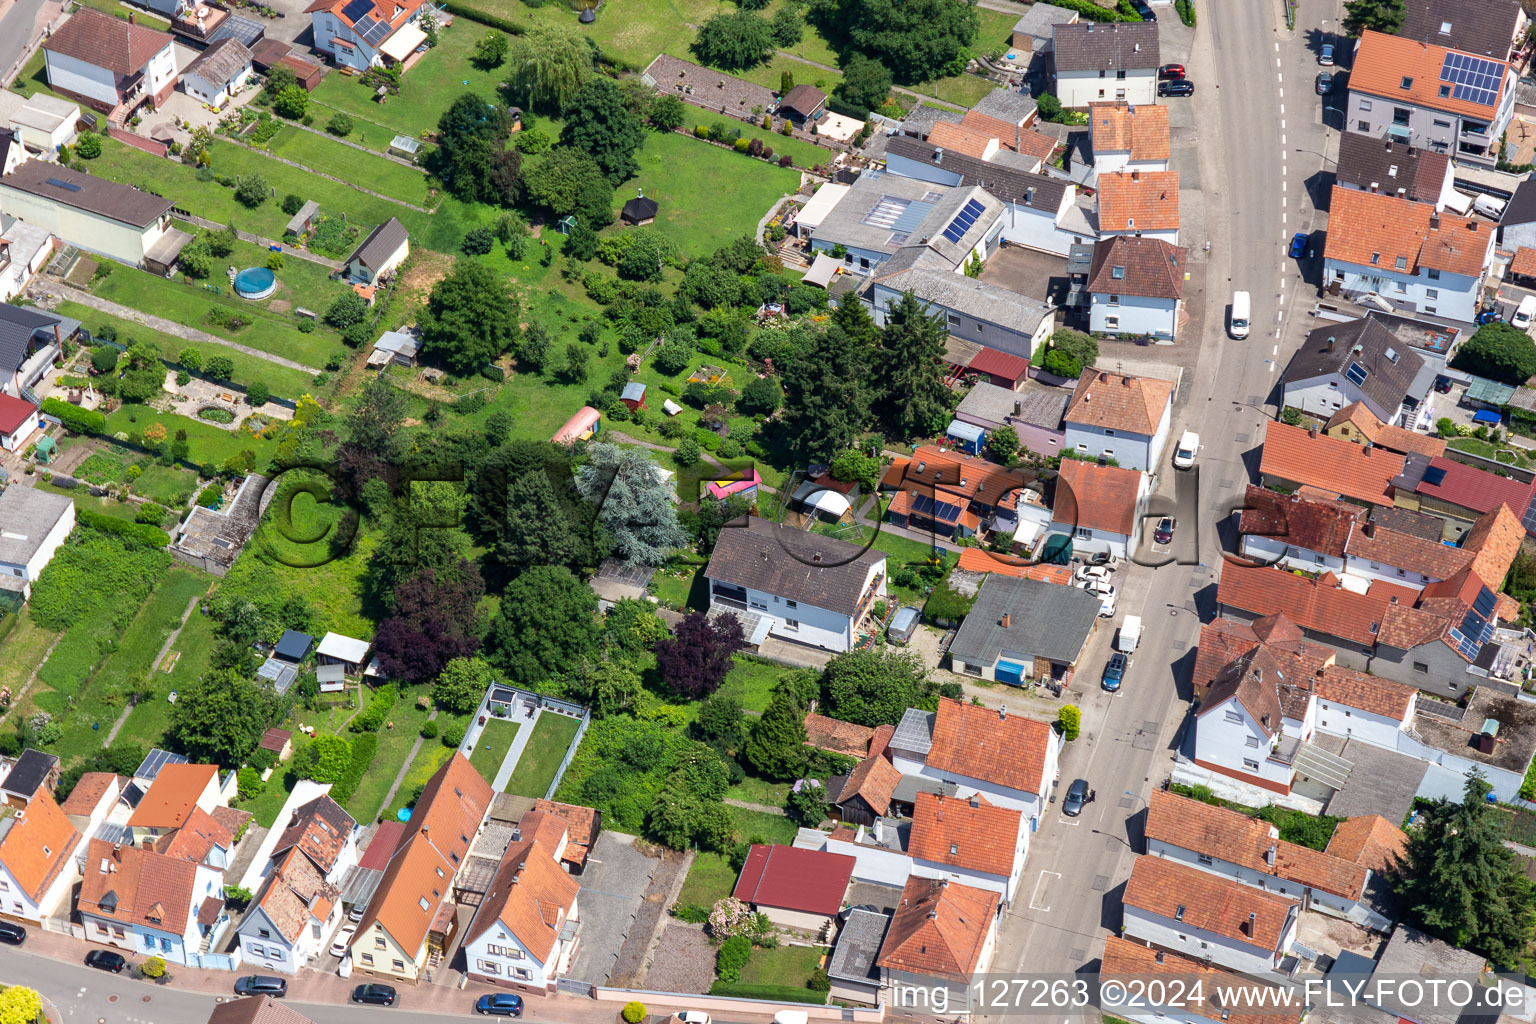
1375	256
422	902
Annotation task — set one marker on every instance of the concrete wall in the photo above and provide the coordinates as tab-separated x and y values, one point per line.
1080	88
51	544
1270	549
1134	315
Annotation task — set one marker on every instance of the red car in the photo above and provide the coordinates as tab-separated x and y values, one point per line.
1171	71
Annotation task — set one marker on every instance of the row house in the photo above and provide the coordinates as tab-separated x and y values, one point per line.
1210	995
1204	917
1136	287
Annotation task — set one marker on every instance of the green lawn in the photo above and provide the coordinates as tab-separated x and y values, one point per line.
334	588
207	444
147	722
171	486
782	965
688	590
760	791
752	681
395	744
535	770
634	33
22	651
267	804
324	154
432	756
756	826
710	878
84	499
492	746
805	154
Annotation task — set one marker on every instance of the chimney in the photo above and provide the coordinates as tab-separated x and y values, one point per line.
1004	622
1434	222
1369	529
1253	920
1002	711
1368	447
1375	186
132	18
1269	858
938	154
1330	343
640	192
1126	381
932	914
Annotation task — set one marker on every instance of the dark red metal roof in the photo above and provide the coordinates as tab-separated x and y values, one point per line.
810	881
990	360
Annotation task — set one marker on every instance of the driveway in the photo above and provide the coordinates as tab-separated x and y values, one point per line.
612	889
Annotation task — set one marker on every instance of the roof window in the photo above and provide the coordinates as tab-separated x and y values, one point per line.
1118	273
1407	81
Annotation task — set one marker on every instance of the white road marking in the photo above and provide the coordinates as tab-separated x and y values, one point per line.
1282	108
1282	218
1034	901
1282	120
1282	202
1277	62
1282	186
1276	350
1284	169
1282	140
1282	93
1277	47
1279	314
1279	77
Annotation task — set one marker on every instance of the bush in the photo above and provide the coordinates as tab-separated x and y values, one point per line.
257	393
149	513
209	496
89	146
220	368
252	191
453	735
340	125
742	145
819	982
291	203
363	749
249	781
74	418
633	1013
429	730
479	241
1446	427
379	706
137	533
348	309
153	967
1071	720
733	956
104	358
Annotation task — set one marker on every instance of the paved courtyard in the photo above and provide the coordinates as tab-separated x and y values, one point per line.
612	889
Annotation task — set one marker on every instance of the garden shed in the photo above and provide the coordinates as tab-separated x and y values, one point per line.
404	145
302	221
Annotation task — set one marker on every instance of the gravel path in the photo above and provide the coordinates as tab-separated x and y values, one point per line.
684	960
649	919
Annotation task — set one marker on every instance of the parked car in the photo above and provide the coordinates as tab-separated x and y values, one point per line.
261	985
1177	87
1094	584
1325	55
1524	314
693	1017
378	995
357	911
903	625
12	934
1324	83
1170	71
1184	451
1298	247
343	940
1077	796
1163	533
1104	558
105	960
1090	572
502	1004
1442	384
1142	8
1107	599
1114	671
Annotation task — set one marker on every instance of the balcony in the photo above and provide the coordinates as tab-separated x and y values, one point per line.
869	596
1399	132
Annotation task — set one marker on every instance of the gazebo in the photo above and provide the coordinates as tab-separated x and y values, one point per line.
639	210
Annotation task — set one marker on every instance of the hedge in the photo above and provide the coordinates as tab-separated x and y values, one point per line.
507	25
81	421
378	709
1092	11
780	993
490	371
150	536
363	749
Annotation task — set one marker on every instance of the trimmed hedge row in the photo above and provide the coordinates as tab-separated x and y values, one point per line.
1093	12
378	709
363	749
74	418
781	993
150	536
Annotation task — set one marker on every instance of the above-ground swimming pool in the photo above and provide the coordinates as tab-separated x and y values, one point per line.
255	283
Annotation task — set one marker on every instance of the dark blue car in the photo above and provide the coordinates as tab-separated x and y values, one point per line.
1114	672
503	1004
1298	245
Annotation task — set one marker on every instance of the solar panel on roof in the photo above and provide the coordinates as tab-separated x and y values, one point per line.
1472	78
1485	603
947	512
377	33
963	220
1434	476
1356	374
61	183
356	9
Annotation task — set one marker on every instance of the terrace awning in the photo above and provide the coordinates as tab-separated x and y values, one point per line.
405	40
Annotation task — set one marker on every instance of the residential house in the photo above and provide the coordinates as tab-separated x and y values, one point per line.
36	524
1296	531
255	1010
865	796
1492	28
24	249
1458	494
952	494
1003	140
1025	629
1368	840
1396	169
1189	911
1136	287
1224	640
360	34
1358	425
1000	318
1406	254
107	63
1034	414
12	152
1034	32
1121	416
1142	204
203	839
31	340
1250	850
92	800
1517	226
921	119
99	216
882	213
1040	211
1294	458
1129	137
713	90
385	248
292	917
804	105
1105	62
324	833
525	933
941	937
37	859
1430	96
1101	508
169	801
219	73
970	841
795	888
412	914
797	586
339	658
33	775
1355	361
150	903
1214	996
582	825
1013	107
1376	551
19	419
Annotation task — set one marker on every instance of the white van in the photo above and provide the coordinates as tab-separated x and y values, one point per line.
1489	207
1241	313
1130	634
1525	314
1184	451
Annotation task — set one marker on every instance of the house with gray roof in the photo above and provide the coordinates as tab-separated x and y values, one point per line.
30	340
100	216
1104	62
1033	33
798	586
1396	168
852	969
33	525
385	248
884	213
1009	105
1356	361
1039	209
712	90
921	119
219	73
1034	413
1021	628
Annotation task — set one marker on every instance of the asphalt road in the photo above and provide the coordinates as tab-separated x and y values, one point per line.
1261	145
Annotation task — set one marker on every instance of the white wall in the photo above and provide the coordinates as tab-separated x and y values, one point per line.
818	627
874	863
272	952
1271	549
1455	296
1239	744
1200	944
1134	315
1113	160
70	74
1038	229
51	543
1131	451
512	961
1323	396
89	231
15	901
360	273
1080	88
1004	886
215	94
1367	726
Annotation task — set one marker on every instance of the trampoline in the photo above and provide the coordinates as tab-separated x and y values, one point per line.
255	283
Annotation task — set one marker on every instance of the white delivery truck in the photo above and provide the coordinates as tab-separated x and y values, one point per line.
1129	635
1241	313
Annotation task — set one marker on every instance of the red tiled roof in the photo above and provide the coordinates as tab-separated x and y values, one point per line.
978	743
1317	870
1095	497
173	795
88	791
1375	229
932	470
1368	840
1357	423
1313	524
1524	263
386	839
874	779
1140	129
1396	550
582	828
939	930
1139	201
838	736
531	895
38	845
1140	963
971	834
1204	828
1293	455
1365	692
1001	364
1119	401
789	878
1310	604
106	42
1208	902
977	560
1400	68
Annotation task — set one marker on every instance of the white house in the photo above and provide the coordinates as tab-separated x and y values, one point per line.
38	867
1135	287
107	62
883	213
358	34
526	932
43	122
1129	137
1098	63
24	249
385	248
1024	629
291	919
1397	169
35	524
1102	508
150	903
1190	990
94	214
324	833
969	840
219	73
795	585
1406	255
178	790
1296	531
92	800
1206	917
1142	204
338	657
1120	416
1339	364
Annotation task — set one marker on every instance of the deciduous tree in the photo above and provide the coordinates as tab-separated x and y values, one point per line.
547	65
434	622
462	685
547	625
1380	15
865	86
600	123
491	50
324	759
873	687
470	318
736	40
1500	352
696	658
218	718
